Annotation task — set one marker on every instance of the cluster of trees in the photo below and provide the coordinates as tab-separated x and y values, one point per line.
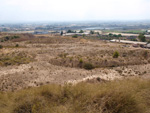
114	35
71	31
92	32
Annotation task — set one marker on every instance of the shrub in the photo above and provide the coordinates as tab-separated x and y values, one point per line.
74	36
145	54
6	38
142	38
1	46
80	61
116	54
88	66
17	45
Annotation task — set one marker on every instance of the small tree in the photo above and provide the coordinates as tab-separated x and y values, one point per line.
119	35
142	38
110	34
61	33
116	54
81	31
91	32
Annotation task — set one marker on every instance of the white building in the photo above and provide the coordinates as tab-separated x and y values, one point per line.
79	34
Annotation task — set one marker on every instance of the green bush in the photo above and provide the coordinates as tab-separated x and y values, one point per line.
1	46
116	54
80	61
88	66
17	45
142	37
75	36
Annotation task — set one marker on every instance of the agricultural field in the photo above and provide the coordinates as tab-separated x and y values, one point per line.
125	31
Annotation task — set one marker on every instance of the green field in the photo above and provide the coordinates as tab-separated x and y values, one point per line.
124	31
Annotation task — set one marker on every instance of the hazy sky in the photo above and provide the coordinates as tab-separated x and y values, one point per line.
73	10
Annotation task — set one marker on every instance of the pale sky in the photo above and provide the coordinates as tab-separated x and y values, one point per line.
73	10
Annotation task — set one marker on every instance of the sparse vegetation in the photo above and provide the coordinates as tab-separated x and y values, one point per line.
58	62
15	59
6	38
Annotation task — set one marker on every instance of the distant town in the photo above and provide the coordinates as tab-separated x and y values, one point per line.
101	30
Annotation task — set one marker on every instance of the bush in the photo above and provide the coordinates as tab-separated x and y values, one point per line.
75	36
142	38
80	61
1	46
17	45
116	54
145	54
88	66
